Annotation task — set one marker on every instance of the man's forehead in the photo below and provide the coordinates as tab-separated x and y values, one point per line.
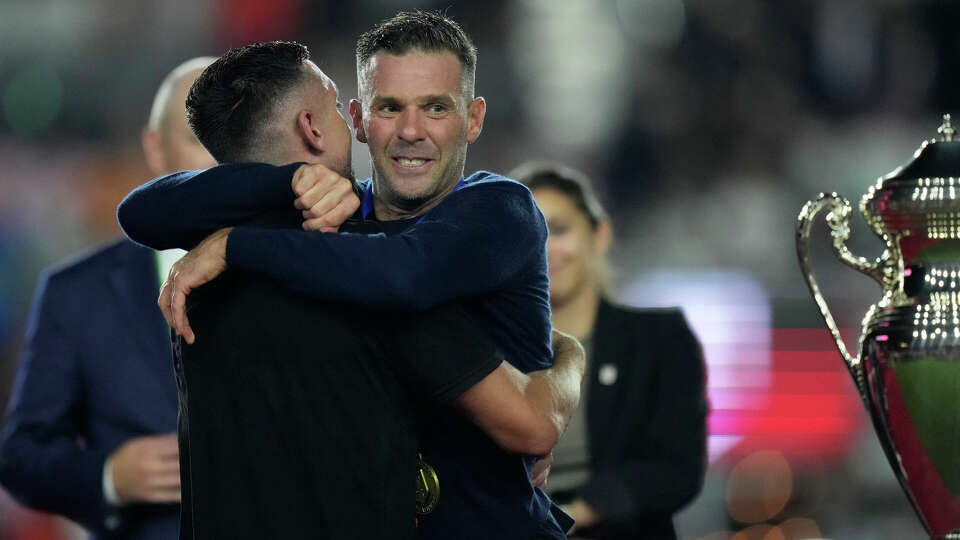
432	71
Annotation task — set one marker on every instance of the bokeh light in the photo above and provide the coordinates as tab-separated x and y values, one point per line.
32	99
759	487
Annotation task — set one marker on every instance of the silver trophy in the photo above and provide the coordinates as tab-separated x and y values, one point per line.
908	369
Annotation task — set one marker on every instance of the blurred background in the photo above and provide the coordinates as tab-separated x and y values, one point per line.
706	125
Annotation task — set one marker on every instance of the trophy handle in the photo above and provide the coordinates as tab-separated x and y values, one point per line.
838	219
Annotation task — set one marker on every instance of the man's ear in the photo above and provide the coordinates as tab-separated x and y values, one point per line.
356	113
153	152
475	113
309	132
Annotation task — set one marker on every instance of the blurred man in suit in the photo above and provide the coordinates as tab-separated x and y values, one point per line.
90	427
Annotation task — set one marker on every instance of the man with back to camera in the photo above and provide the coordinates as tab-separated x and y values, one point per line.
89	427
268	102
417	113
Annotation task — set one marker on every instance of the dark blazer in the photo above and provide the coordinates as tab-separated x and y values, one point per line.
646	421
96	370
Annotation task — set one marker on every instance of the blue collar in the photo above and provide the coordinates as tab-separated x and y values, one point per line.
366	206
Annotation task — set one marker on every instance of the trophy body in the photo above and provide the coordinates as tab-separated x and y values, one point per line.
908	369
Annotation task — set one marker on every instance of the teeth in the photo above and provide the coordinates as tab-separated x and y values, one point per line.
411	162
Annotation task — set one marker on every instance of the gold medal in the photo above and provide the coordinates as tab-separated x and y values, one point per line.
428	487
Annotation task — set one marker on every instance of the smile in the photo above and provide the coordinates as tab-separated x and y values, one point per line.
410	162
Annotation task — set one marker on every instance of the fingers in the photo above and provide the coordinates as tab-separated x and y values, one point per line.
178	311
325	198
541	470
178	306
166	446
163	496
308	176
162	486
162	475
164	301
322	198
296	177
332	220
147	469
540	480
200	265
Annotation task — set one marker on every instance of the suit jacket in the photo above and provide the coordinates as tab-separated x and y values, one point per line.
95	370
646	421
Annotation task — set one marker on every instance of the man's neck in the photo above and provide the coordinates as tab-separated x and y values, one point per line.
578	313
386	211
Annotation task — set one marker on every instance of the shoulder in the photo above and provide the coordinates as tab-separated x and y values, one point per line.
661	333
91	263
488	182
666	320
500	199
490	179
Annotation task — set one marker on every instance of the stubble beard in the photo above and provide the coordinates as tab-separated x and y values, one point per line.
387	193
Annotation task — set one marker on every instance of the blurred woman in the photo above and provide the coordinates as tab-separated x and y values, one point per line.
634	453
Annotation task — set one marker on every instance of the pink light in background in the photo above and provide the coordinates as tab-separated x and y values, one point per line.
730	313
784	389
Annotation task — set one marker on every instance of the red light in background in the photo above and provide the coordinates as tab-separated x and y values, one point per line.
249	21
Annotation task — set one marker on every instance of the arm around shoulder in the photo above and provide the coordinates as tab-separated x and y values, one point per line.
505	233
179	210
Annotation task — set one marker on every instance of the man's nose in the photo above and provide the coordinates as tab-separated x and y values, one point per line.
411	125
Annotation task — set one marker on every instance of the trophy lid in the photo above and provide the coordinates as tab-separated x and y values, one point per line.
936	158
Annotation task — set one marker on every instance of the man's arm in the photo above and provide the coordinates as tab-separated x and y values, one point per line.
527	414
476	241
179	210
41	463
445	359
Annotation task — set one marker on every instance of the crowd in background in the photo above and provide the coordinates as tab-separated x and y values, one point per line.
704	124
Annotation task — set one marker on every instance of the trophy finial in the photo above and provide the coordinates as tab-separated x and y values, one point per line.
946	129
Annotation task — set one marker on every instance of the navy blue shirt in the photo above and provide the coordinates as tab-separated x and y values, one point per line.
484	244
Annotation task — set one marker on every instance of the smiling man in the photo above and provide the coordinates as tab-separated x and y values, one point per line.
479	239
417	116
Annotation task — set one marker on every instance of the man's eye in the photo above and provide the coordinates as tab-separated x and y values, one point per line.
437	108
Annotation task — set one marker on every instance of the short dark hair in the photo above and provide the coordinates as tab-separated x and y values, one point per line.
428	31
570	182
234	97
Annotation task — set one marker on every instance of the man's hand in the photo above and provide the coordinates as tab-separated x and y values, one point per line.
584	515
147	470
200	265
326	198
541	470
